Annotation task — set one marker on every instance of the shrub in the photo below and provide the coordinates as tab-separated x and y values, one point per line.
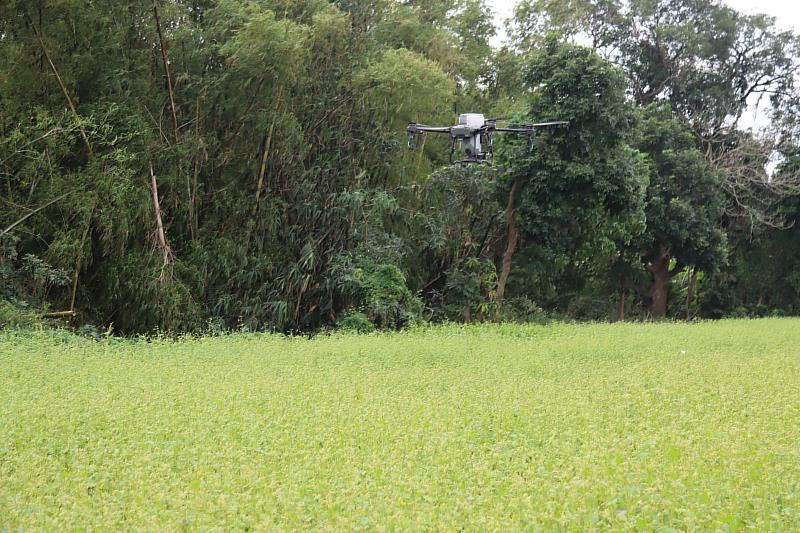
355	321
380	295
17	314
522	309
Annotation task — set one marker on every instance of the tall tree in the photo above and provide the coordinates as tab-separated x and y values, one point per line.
710	62
683	205
582	185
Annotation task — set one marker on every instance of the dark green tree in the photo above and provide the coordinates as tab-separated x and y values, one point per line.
582	186
684	203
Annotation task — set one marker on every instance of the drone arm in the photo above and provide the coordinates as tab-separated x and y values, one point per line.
529	128
418	129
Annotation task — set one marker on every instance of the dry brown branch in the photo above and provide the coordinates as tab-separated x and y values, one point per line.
59	314
164	249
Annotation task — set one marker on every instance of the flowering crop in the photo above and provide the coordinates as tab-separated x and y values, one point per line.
494	427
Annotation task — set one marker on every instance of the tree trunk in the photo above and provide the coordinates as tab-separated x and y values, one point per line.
512	235
621	301
659	268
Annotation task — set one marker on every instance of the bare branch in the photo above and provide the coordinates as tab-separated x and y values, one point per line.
756	194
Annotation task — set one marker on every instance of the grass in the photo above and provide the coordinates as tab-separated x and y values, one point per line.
562	427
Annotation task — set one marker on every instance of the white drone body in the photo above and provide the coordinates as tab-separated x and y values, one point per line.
468	132
474	135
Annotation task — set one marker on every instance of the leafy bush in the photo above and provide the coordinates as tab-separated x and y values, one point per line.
380	294
17	314
24	283
522	309
355	321
470	290
590	307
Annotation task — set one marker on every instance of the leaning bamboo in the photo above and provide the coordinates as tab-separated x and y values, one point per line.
167	74
63	89
78	262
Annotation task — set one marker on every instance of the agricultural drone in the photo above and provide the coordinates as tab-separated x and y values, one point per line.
474	133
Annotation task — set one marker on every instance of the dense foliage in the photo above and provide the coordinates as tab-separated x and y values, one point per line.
215	164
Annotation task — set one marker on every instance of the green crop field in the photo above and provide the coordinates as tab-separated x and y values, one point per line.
557	427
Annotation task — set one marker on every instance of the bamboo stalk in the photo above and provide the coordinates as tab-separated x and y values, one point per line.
263	169
165	58
63	88
33	212
192	184
260	183
78	263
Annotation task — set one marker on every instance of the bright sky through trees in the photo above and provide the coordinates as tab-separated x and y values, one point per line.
787	16
786	13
